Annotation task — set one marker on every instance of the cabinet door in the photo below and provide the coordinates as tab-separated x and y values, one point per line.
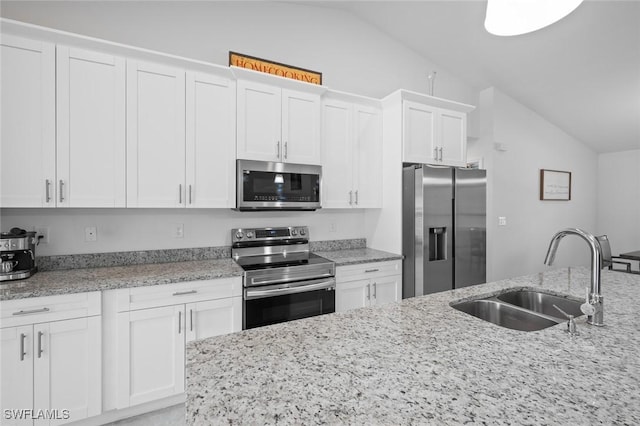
16	366
67	368
368	157
352	295
386	290
155	136
151	354
213	318
211	131
259	122
337	187
300	127
91	129
27	164
452	129
418	133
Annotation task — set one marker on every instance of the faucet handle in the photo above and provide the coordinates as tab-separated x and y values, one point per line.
587	307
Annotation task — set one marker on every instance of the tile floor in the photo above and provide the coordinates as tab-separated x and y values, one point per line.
170	416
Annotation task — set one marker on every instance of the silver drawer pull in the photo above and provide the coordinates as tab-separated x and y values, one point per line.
182	293
40	350
32	311
371	270
22	352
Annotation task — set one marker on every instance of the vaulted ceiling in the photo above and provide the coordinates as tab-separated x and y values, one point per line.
582	73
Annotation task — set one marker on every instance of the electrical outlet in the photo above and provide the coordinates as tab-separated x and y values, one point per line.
502	221
90	234
333	227
178	230
44	232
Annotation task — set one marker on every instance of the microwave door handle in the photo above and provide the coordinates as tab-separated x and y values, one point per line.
261	294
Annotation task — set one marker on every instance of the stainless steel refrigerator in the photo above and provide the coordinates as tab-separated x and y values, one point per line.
443	228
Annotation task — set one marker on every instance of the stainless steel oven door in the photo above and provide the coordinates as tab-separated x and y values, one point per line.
273	304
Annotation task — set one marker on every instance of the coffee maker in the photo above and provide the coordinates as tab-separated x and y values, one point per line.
17	254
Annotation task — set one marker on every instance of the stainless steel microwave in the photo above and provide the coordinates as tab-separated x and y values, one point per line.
265	185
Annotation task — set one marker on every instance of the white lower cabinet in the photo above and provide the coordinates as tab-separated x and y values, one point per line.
368	284
51	370
151	339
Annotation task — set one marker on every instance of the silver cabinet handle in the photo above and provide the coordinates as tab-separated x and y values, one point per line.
435	153
32	311
368	292
61	190
40	351
278	150
350	197
180	194
371	270
182	293
190	198
356	197
374	290
22	352
191	319
440	153
286	150
47	187
179	322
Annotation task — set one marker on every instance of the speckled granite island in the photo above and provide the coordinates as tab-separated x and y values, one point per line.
422	362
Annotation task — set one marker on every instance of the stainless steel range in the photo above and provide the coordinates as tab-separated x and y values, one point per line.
282	279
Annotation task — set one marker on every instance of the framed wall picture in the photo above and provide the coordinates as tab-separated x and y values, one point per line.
555	185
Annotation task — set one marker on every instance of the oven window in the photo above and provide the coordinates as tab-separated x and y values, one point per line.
272	310
273	186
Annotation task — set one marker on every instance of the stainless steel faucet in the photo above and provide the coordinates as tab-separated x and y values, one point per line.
594	306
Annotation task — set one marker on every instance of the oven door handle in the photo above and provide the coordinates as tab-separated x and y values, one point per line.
279	280
251	294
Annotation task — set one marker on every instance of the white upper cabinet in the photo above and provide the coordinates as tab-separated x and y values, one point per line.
352	153
278	124
434	130
367	156
91	145
211	134
259	119
300	127
419	139
155	135
28	123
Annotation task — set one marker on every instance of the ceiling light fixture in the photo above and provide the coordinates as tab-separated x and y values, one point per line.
515	17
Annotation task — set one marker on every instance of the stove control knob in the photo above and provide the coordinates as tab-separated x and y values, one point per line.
249	234
302	231
239	235
294	232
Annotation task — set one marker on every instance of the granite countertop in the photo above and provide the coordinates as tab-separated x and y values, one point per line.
50	283
420	361
359	255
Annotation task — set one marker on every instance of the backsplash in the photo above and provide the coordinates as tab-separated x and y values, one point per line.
100	260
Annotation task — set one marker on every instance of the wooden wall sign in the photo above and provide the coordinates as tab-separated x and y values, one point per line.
275	68
555	185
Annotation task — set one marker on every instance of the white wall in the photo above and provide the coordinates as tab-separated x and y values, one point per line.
619	199
145	229
353	57
531	144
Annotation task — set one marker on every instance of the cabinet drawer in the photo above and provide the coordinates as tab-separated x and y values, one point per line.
368	270
49	308
131	299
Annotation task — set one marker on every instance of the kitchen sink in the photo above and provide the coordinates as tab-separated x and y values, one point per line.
542	302
521	309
